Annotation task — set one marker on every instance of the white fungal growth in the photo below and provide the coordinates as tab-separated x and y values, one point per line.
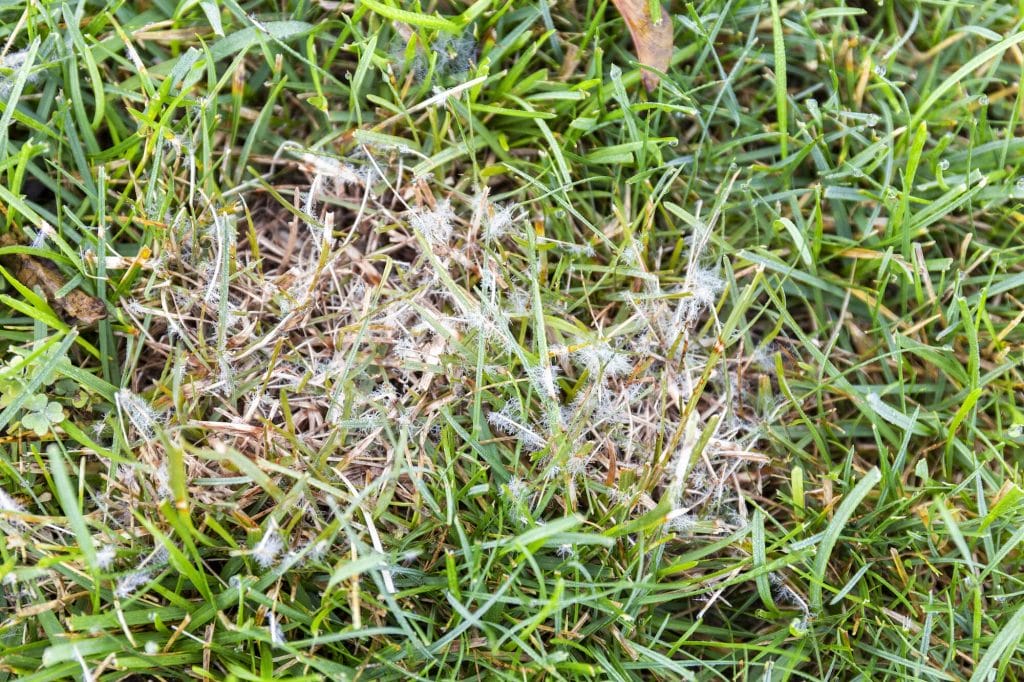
684	524
585	250
683	458
45	233
576	467
519	302
702	287
162	479
159	557
276	635
8	504
492	322
224	236
129	584
134	57
141	415
603	360
501	221
504	423
15	61
318	550
328	175
269	547
435	225
331	169
542	376
105	557
517	489
784	594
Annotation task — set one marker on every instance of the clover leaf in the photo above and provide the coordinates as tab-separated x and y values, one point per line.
41	414
10	389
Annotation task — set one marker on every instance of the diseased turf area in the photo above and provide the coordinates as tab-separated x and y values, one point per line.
418	340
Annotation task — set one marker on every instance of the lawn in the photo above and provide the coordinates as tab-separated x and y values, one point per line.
443	340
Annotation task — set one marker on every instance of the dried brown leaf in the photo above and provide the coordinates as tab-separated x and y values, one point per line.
35	272
652	39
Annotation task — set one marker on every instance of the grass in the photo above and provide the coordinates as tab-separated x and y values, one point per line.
435	347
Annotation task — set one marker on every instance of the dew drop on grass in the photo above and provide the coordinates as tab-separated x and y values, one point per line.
880	70
944	164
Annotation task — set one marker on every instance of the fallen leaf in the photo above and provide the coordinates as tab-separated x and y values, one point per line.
652	39
35	272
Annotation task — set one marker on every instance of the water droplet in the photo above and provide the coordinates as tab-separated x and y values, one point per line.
745	187
872	120
983	100
857	172
944	164
1020	184
733	167
891	194
880	70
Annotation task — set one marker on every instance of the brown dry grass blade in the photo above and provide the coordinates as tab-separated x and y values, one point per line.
652	40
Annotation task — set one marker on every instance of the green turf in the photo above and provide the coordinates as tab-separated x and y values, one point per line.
436	347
